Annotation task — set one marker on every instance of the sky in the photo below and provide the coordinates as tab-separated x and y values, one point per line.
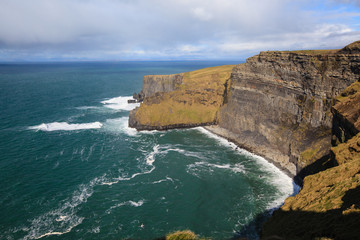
120	30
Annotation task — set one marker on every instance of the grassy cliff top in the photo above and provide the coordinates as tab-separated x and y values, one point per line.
196	101
353	48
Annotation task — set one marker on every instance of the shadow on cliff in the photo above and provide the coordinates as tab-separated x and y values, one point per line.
317	166
342	223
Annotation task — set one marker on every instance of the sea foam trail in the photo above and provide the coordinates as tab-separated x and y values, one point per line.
64	218
277	178
64	126
120	103
127	203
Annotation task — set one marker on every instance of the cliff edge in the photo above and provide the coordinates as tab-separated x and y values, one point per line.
277	104
182	100
298	109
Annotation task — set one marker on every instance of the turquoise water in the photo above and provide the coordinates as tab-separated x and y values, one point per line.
70	167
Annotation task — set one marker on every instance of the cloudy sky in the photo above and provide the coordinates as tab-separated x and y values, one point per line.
61	30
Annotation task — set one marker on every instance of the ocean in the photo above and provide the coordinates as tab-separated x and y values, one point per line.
71	168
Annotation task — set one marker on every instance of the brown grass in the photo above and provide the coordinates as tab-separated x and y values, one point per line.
197	101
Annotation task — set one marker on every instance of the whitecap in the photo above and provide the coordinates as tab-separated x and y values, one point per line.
120	125
127	203
64	126
120	103
150	159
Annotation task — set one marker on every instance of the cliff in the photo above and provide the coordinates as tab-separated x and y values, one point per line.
161	83
279	104
328	205
346	112
298	109
181	100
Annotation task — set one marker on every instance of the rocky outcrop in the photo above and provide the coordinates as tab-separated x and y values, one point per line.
283	106
279	104
182	100
346	121
161	83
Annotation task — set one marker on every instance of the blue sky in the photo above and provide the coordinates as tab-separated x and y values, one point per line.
62	30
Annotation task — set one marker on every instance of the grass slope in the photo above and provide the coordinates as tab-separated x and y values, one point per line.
196	102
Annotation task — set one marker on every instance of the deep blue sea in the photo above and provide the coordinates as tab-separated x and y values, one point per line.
71	168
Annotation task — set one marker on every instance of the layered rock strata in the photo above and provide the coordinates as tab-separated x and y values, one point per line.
328	205
279	103
161	83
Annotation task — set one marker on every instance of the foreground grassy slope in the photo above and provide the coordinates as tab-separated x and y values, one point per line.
328	206
196	101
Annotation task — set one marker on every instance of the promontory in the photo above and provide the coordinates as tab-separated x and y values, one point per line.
298	109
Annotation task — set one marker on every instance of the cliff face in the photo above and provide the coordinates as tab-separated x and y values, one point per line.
283	106
161	83
182	100
328	205
279	104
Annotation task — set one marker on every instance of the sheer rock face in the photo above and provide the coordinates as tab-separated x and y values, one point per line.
161	83
330	196
279	103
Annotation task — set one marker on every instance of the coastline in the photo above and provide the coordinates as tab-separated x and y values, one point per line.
222	132
225	134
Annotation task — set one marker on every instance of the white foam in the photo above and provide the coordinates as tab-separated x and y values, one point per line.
64	126
277	178
120	103
87	107
163	180
120	125
236	168
64	218
127	203
150	159
119	179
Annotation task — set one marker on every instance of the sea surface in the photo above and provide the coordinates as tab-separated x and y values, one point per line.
71	168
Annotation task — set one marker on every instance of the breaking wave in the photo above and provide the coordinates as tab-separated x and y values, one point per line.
120	103
64	126
120	125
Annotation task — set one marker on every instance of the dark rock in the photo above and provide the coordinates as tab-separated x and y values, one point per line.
279	104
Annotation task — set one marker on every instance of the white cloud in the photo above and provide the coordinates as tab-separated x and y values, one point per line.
127	29
201	14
